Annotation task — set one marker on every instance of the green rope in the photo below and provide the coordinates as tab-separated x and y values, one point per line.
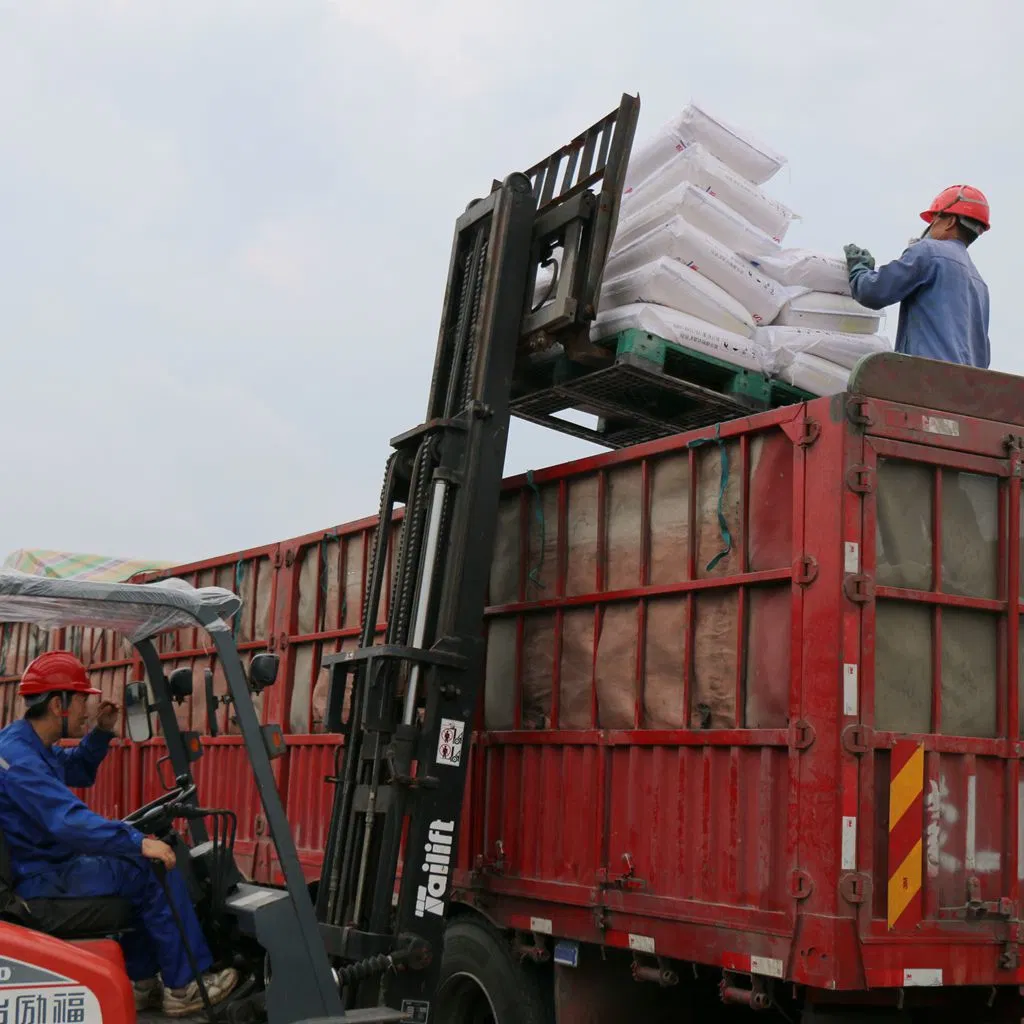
239	579
723	526
538	508
4	644
325	541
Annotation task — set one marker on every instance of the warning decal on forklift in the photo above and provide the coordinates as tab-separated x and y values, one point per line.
419	1012
449	742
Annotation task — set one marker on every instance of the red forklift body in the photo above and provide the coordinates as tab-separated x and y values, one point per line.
44	979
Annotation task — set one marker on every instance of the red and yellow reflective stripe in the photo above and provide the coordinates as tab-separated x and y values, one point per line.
906	833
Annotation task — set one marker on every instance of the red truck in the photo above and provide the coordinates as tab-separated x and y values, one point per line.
752	721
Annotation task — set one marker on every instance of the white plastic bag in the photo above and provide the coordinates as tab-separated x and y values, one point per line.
823	311
739	151
816	375
687	331
667	282
704	211
785	343
696	165
804	268
678	238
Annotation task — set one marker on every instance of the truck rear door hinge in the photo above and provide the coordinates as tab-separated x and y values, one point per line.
805	570
854	888
861	479
801	734
858	412
857	739
859	587
810	431
801	885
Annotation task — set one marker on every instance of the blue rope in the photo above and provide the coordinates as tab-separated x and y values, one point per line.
723	526
538	508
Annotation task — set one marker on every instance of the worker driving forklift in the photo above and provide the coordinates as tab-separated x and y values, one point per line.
249	931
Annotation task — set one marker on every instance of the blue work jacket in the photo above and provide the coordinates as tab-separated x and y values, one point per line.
44	823
943	301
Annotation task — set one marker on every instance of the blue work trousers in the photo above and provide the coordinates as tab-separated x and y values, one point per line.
156	943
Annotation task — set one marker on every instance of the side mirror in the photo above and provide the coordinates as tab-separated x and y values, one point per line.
180	683
263	671
136	712
211	703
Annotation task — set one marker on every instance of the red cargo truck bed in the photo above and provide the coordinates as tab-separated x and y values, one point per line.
752	696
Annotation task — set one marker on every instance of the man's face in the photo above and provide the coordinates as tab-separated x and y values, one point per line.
943	228
78	716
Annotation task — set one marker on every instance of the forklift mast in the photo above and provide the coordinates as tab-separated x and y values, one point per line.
405	707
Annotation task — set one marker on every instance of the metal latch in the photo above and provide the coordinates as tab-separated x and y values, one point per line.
976	908
627	880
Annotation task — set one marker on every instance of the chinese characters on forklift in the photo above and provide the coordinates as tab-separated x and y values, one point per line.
136	710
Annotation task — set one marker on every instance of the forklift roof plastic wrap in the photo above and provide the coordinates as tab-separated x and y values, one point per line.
136	610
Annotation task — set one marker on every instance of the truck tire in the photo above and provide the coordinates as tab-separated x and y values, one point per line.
482	983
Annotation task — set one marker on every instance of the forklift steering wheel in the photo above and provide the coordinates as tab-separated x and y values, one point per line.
162	804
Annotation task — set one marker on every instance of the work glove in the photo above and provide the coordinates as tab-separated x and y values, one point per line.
857	259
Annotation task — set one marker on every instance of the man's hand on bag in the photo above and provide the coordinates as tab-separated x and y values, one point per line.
153	849
858	259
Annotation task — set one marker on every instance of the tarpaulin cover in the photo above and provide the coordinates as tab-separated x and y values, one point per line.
67	565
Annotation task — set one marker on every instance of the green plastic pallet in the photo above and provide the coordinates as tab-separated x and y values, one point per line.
649	388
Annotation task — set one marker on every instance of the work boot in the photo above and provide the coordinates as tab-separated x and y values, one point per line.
148	994
181	1002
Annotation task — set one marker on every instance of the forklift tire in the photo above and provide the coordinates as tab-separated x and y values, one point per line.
483	983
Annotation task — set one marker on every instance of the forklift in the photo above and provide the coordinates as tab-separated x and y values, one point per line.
368	946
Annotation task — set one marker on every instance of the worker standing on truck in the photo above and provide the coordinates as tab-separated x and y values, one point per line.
60	849
944	306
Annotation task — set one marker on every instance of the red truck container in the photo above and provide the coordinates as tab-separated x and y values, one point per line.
752	712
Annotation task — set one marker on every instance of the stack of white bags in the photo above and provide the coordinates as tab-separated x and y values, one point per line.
698	260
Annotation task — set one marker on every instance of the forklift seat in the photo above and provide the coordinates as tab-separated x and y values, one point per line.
70	918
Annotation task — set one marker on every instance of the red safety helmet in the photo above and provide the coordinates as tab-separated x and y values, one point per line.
54	672
962	201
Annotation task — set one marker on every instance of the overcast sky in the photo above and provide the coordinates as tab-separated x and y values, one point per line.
226	225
